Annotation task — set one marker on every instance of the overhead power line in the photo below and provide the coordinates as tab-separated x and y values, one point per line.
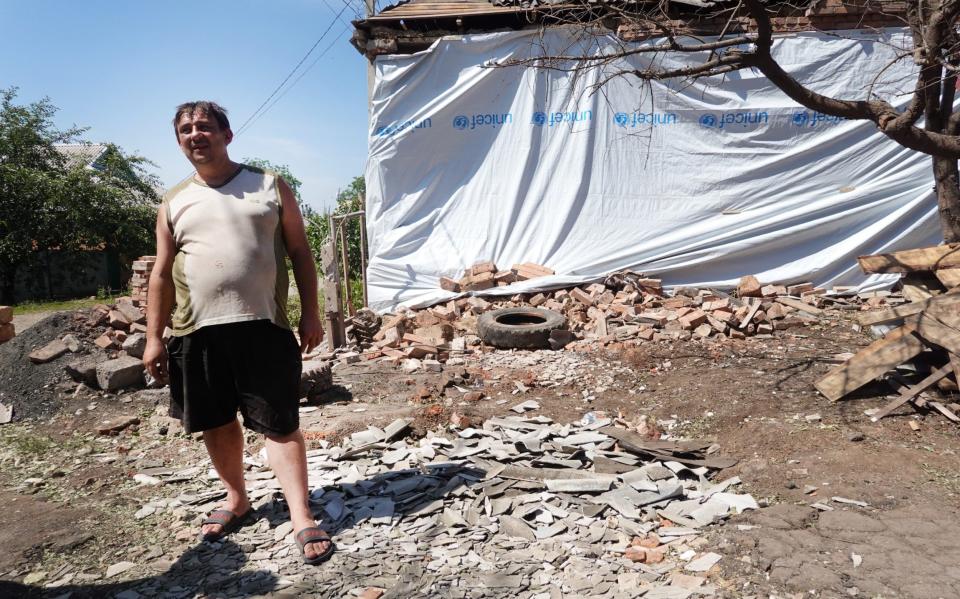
290	74
299	77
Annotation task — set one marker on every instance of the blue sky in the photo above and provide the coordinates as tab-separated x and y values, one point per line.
121	67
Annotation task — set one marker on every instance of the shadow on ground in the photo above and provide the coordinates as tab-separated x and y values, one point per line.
215	569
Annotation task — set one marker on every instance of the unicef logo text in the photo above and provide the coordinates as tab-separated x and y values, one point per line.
394	128
730	120
474	121
549	119
645	119
804	118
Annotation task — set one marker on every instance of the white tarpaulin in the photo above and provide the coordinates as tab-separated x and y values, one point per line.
697	183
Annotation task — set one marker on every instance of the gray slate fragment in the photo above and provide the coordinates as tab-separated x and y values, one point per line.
515	527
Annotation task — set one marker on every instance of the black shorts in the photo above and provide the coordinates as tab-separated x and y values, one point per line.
251	366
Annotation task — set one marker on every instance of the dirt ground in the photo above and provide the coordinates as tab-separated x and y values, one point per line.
69	498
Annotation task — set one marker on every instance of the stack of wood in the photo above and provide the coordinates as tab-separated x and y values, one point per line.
142	267
485	275
928	335
7	331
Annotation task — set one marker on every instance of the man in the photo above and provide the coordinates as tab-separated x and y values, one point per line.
222	236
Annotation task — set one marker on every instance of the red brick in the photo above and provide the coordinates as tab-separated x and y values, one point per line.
581	296
482	267
448	284
749	287
6	314
7	332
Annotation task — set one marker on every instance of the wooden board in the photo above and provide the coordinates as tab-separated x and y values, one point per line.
950	277
908	393
950	301
800	305
934	331
880	356
946	311
931	258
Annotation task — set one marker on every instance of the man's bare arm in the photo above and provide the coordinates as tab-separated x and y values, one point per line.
160	298
304	270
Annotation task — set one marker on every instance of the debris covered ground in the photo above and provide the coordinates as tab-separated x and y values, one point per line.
440	479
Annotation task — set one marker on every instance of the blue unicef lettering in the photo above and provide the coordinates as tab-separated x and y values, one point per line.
729	120
804	118
551	119
394	128
474	121
644	119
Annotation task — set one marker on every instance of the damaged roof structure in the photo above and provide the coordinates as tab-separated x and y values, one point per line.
475	154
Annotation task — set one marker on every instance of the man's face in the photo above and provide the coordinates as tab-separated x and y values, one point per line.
201	138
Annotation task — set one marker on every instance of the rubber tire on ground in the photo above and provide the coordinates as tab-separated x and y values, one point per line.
497	333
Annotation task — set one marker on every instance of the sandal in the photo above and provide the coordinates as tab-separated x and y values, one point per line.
229	522
314	534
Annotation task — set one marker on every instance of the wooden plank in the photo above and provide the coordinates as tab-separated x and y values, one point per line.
950	277
880	356
749	316
931	258
955	362
908	393
940	304
800	305
951	416
946	311
934	331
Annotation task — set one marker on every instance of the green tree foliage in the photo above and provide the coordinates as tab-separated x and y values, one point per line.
349	200
318	229
47	204
284	171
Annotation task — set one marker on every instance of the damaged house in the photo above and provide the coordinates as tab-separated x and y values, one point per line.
587	171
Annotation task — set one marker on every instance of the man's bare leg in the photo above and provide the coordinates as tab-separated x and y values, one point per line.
288	459
225	446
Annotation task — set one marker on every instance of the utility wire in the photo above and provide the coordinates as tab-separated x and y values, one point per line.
290	74
304	72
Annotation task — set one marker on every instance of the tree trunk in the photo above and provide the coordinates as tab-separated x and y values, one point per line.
945	174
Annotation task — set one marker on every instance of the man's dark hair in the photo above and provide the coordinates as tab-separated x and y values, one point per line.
211	108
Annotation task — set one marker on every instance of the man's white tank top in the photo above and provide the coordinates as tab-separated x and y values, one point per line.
229	264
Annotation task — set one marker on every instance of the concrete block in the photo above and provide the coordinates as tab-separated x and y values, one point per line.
125	371
83	371
135	344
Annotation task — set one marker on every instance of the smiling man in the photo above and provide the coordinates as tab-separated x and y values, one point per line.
222	236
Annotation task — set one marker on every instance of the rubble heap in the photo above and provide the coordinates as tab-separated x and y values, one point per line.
627	308
519	507
928	336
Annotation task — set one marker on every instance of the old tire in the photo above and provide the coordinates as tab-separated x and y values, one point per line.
519	328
